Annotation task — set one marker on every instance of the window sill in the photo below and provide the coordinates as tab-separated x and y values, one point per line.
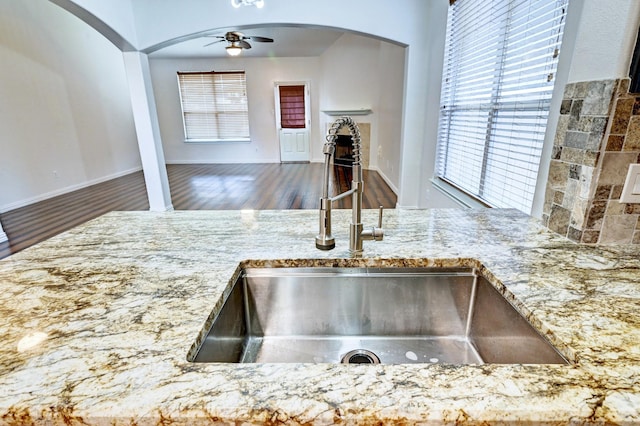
459	196
216	141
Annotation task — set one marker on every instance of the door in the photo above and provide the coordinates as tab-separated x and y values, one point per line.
292	121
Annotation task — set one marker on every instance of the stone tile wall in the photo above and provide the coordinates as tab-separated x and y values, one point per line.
598	136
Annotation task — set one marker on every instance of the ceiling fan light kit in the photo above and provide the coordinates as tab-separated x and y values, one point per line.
233	50
257	3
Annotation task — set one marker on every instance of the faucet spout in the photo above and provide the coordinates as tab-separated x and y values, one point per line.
324	239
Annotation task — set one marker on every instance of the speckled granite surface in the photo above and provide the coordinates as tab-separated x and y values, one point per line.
96	324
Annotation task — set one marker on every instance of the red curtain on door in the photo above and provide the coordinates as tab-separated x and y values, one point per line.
292	107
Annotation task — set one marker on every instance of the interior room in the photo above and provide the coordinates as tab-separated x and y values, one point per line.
124	300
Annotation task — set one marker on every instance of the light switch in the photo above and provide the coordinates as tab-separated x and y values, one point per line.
631	189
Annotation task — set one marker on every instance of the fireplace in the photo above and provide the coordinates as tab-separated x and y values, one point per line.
344	146
344	151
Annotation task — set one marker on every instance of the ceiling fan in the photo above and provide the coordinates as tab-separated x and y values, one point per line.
238	41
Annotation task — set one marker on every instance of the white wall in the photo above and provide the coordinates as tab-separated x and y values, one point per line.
350	81
261	73
350	74
114	19
361	72
66	116
605	39
389	112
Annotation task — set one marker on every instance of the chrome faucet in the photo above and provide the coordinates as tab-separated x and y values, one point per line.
357	233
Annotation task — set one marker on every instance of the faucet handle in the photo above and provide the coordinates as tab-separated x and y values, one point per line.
377	232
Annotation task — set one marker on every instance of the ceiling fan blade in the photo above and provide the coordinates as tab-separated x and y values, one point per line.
213	42
244	44
261	39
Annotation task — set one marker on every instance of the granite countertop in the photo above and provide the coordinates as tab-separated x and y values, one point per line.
96	324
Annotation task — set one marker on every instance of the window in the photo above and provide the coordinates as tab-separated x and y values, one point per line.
498	77
214	106
292	107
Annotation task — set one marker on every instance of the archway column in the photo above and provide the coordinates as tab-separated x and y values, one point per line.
423	75
148	130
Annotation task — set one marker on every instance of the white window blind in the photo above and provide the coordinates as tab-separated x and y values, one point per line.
498	77
214	105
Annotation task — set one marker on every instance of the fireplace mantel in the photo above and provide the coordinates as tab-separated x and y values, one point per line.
341	112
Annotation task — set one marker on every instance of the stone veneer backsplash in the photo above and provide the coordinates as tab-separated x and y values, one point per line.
598	136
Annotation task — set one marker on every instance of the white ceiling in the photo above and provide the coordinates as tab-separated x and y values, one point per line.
288	42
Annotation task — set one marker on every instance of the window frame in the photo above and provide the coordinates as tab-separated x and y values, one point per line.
215	114
490	109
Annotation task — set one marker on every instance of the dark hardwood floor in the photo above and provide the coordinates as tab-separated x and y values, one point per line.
193	187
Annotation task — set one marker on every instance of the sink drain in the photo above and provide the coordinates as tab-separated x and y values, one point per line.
360	356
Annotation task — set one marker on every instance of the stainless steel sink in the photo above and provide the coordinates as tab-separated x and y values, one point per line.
365	315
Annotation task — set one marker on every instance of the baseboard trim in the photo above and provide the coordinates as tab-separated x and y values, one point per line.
65	190
189	162
386	179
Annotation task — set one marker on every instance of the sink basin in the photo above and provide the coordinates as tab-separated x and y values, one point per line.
370	315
